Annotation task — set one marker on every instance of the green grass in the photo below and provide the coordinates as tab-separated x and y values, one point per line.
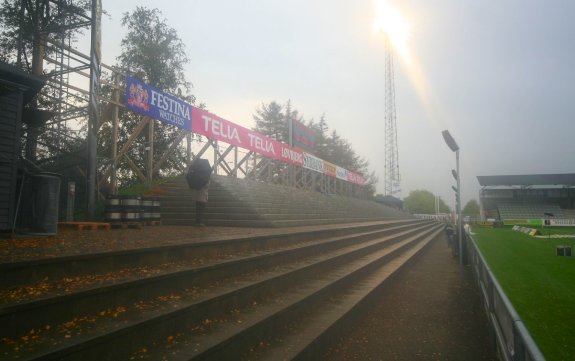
556	230
138	189
539	284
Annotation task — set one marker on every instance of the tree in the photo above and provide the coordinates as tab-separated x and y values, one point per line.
153	53
27	24
26	27
423	202
471	209
271	121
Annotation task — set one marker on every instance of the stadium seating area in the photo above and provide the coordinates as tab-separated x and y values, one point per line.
492	213
569	213
528	211
528	196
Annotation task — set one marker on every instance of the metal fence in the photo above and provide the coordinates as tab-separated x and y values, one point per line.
507	331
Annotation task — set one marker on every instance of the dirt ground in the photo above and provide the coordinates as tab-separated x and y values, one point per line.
430	312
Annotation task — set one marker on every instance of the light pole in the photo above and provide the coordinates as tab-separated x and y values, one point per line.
455	148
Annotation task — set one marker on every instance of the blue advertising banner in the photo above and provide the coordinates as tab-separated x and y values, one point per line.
147	100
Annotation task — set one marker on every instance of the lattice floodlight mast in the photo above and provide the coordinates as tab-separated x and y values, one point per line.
69	104
392	177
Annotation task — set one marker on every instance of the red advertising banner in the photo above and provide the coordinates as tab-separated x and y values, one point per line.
214	127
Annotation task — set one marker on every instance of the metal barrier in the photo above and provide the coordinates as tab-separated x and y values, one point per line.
508	332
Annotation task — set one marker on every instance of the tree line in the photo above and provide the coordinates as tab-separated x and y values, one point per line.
272	119
424	202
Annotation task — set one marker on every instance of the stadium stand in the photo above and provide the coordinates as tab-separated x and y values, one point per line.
529	211
569	213
524	198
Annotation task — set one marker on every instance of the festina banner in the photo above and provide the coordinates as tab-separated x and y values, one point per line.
147	100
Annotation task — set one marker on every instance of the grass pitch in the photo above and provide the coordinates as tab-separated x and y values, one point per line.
539	284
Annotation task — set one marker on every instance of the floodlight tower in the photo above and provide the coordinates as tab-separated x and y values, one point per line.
392	177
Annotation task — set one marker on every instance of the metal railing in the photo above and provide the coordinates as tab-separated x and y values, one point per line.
508	332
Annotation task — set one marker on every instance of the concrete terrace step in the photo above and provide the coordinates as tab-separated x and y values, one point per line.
304	339
170	218
267	205
303	268
181	268
260	323
270	222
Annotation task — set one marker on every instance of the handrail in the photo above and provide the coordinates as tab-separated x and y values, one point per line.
511	336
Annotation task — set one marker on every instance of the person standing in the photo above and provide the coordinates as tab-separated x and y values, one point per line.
198	177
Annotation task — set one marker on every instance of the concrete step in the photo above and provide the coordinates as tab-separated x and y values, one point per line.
164	305
262	201
170	267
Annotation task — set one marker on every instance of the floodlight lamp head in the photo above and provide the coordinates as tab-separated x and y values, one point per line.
450	141
454	172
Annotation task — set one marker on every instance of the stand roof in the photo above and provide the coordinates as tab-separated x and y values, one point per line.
527	180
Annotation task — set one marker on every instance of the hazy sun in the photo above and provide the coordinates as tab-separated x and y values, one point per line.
390	21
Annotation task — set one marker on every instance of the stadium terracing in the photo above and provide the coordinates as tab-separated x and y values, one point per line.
528	199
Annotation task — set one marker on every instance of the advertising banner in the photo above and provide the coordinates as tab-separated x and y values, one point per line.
341	173
562	222
330	168
147	100
303	137
214	127
313	163
291	155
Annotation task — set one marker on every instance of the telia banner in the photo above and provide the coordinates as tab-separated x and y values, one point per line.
214	127
147	100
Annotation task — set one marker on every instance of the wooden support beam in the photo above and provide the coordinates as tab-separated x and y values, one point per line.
134	167
126	146
181	135
245	159
204	149
221	158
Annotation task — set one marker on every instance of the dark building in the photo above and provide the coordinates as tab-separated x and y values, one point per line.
17	88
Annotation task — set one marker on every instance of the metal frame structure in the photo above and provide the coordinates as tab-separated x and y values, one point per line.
226	159
63	68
